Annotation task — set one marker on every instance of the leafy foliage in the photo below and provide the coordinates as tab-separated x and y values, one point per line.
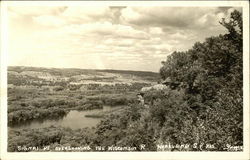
203	104
211	75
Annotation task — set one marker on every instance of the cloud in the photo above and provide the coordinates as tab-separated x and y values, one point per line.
36	10
136	38
178	17
104	29
159	16
87	14
155	30
178	35
48	20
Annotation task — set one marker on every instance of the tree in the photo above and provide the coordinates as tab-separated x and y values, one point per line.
211	74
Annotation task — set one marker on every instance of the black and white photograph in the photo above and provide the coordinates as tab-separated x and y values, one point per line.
125	78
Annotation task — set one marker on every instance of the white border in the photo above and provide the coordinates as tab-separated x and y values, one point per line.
124	155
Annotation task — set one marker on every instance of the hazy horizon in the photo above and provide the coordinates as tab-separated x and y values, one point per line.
107	37
82	68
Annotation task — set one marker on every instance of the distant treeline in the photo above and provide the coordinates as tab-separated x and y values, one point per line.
76	71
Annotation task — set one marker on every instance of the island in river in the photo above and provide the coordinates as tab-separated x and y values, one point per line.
54	99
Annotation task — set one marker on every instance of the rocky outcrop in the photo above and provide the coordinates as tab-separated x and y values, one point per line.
154	87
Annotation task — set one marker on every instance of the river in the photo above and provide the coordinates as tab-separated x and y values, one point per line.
74	120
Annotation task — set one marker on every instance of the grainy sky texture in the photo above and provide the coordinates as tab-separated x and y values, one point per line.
127	38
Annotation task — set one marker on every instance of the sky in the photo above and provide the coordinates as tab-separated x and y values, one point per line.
107	37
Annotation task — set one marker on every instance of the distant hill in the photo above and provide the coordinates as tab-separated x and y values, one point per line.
17	74
57	71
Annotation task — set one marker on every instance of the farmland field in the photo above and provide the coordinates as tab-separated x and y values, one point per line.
69	98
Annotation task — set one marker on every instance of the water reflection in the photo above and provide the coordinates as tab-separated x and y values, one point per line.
74	120
28	123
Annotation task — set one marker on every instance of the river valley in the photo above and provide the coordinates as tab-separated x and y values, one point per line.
74	119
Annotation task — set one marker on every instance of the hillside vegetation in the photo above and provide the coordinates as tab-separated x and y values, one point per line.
202	107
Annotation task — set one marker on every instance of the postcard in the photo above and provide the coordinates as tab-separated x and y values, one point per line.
124	80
